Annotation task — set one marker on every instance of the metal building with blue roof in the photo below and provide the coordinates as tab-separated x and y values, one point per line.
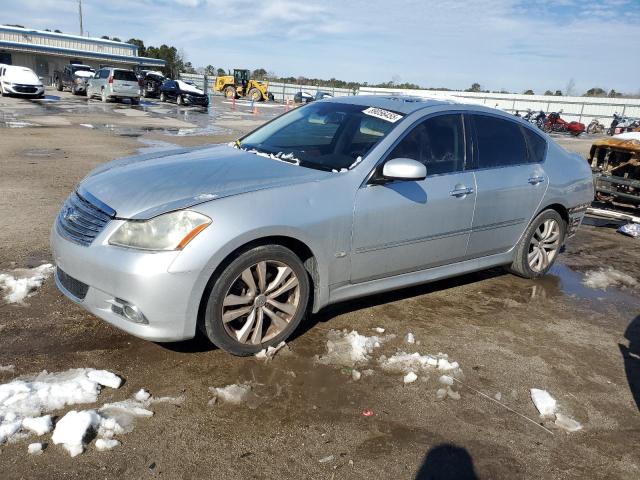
45	52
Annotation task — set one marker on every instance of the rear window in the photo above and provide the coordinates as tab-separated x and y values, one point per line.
536	145
500	142
126	75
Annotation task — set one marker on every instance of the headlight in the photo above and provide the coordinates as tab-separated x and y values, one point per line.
171	231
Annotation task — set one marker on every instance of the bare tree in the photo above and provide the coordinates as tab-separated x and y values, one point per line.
570	89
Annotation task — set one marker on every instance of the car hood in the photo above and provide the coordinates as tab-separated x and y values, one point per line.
144	186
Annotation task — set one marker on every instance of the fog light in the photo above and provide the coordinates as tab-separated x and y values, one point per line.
128	311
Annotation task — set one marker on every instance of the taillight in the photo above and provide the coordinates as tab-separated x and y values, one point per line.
111	79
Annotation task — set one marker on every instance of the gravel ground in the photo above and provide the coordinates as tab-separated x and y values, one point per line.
306	420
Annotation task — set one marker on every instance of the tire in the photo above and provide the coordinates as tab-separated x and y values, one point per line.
238	336
104	96
179	100
230	92
524	263
144	93
163	97
59	85
135	101
255	95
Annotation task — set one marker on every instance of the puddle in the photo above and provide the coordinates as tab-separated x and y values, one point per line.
571	284
153	146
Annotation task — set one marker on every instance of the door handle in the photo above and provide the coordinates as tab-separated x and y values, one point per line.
461	191
536	180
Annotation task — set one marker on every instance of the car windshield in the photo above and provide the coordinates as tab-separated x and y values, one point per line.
327	136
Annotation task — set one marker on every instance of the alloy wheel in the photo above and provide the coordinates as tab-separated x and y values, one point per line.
544	245
261	302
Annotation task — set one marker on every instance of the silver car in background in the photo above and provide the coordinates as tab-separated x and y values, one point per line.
114	84
338	199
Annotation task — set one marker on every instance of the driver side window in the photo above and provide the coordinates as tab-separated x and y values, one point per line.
437	142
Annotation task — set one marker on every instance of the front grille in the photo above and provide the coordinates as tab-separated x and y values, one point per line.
25	88
81	220
73	286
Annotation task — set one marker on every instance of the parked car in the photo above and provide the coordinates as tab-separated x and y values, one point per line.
114	84
320	95
75	77
151	82
303	97
22	81
329	202
183	93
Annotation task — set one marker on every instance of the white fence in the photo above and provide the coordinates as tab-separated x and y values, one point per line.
582	109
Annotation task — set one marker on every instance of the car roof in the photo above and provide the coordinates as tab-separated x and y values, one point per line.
409	103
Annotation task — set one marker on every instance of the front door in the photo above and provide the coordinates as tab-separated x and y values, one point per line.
510	180
407	226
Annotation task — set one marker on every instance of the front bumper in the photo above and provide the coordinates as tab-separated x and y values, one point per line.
196	100
106	276
17	89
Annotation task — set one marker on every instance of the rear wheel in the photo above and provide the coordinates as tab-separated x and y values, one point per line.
258	300
230	92
104	96
163	97
540	245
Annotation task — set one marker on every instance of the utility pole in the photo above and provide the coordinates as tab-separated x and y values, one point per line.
80	13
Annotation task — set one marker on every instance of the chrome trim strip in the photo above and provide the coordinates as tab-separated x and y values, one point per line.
439	236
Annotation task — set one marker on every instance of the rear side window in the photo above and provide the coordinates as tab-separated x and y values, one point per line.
437	142
536	145
125	75
500	142
104	74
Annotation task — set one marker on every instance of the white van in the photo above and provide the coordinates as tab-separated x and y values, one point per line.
23	81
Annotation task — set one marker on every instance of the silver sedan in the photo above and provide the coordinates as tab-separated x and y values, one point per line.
341	198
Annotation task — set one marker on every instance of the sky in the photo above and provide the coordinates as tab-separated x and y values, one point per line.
501	44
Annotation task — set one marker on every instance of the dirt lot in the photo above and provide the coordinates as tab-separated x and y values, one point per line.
305	420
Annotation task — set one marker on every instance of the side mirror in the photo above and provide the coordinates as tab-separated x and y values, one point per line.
403	169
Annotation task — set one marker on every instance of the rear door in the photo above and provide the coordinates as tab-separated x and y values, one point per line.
125	82
510	179
407	226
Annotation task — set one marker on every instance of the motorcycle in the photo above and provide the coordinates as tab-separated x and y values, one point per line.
555	123
621	124
595	127
539	119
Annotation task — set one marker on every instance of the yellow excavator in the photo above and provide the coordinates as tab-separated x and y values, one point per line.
240	85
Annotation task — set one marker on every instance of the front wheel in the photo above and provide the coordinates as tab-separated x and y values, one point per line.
257	301
59	85
539	246
255	95
104	96
180	100
163	97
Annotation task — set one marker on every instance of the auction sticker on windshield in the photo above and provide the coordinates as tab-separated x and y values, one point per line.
382	114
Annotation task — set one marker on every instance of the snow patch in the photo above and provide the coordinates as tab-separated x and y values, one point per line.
604	278
269	352
410	378
567	423
349	348
105	378
409	338
142	395
544	402
233	394
103	444
38	425
21	283
35	448
72	429
7	368
406	362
